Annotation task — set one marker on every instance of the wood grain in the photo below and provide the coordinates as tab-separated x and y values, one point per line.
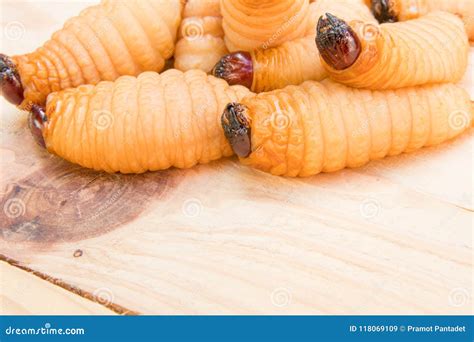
394	237
22	293
230	240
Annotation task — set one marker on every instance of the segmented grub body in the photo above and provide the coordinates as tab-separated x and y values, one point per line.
403	10
431	49
462	8
135	124
201	37
114	38
250	24
297	60
324	127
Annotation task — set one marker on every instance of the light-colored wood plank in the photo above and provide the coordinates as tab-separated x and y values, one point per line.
22	293
225	238
394	237
452	165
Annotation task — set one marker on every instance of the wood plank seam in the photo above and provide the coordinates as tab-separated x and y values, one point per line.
58	282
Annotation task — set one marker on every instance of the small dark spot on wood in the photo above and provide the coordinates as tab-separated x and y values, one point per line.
77	253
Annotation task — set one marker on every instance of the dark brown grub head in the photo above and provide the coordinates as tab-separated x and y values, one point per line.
337	43
236	68
10	82
384	11
237	129
36	121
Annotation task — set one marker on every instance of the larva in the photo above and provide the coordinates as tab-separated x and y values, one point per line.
250	24
103	42
135	124
431	49
397	10
201	38
324	127
349	10
401	10
293	62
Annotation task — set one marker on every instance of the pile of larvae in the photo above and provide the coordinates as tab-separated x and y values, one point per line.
292	87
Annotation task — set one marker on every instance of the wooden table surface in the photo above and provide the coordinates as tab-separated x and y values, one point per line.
394	237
